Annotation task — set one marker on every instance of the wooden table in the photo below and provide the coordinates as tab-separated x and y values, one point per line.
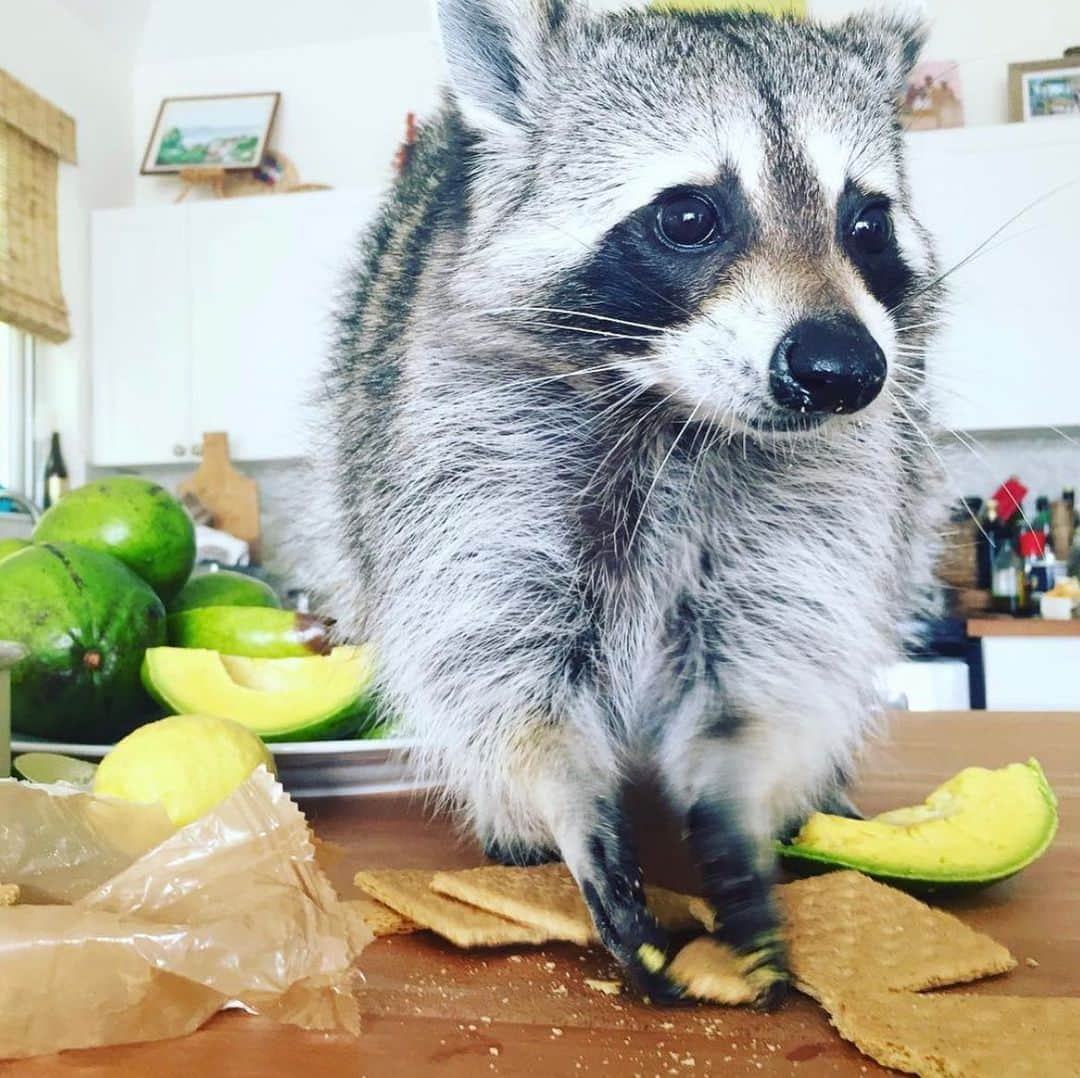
428	1009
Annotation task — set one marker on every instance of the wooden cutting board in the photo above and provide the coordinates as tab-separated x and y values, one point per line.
231	497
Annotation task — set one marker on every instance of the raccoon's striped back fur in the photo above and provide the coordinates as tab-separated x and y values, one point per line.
590	499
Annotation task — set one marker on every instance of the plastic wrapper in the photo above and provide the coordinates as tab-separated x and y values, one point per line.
136	932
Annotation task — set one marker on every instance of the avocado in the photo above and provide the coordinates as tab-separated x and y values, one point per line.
85	620
138	522
980	827
279	699
256	632
10	546
223	588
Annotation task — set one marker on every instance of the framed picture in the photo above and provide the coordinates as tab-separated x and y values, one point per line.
222	131
1044	88
932	98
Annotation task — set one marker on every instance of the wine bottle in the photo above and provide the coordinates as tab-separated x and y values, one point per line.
56	474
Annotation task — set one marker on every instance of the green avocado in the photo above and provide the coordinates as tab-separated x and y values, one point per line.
223	588
980	827
86	621
138	522
253	631
10	546
296	699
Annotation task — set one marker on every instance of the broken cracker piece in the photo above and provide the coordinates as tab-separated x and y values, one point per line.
963	1036
708	970
548	897
380	918
606	988
408	891
9	894
848	933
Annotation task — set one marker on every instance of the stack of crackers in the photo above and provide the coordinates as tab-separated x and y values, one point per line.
864	951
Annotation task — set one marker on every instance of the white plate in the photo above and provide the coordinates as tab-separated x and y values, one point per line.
306	768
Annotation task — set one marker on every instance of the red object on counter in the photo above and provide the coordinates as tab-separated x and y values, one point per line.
1009	497
1032	544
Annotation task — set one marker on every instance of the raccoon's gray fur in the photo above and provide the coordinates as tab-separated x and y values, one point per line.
566	506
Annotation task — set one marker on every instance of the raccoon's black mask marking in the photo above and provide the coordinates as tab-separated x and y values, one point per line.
633	276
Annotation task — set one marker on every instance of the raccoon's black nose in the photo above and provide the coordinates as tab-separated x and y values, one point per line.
824	367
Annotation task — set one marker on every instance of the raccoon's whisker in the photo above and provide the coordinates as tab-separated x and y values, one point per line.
940	459
582	329
659	471
1068	438
632	429
576	314
981	248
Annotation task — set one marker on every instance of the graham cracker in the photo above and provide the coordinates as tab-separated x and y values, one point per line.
9	894
381	919
848	934
964	1036
408	891
548	897
709	971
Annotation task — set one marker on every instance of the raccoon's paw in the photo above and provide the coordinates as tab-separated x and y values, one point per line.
519	854
763	962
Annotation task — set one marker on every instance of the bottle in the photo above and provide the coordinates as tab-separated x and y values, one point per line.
1008	585
989	538
56	474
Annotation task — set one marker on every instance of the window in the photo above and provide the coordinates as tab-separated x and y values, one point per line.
17	470
34	138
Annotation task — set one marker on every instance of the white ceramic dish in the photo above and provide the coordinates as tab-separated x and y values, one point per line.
354	768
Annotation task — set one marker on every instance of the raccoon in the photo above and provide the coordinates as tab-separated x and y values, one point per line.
624	424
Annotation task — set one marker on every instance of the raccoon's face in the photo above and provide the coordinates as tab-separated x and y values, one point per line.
714	207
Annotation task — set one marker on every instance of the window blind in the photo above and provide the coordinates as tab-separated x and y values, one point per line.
34	137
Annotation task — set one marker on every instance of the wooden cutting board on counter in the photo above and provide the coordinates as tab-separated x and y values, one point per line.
230	496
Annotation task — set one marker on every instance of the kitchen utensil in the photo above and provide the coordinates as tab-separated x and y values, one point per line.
231	497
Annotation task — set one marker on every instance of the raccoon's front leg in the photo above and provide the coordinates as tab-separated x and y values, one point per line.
730	836
569	790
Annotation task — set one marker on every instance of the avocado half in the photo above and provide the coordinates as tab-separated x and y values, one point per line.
296	699
980	827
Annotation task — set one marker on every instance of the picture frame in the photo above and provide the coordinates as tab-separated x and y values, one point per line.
1041	88
210	131
933	98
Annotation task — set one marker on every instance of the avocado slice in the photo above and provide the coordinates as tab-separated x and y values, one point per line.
980	827
296	699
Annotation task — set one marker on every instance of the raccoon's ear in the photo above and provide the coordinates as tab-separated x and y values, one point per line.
891	43
493	48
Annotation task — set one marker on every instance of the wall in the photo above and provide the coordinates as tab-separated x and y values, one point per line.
55	52
348	73
983	37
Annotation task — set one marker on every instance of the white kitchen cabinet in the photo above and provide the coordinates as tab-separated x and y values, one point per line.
1010	355
1032	673
215	316
141	337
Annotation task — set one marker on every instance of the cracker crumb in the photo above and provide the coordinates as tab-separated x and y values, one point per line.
493	1051
608	988
513	958
549	966
689	1061
1032	962
556	1032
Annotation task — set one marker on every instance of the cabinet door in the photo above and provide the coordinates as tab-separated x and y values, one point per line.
266	273
141	337
1009	355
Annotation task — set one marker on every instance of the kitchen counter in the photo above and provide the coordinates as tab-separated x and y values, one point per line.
1007	626
429	1009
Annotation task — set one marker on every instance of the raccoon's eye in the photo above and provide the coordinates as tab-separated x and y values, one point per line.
687	220
872	230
